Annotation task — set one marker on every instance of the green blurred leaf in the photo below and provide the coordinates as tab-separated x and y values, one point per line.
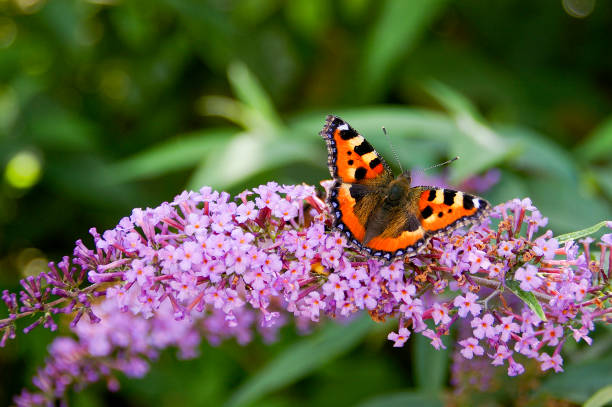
579	381
430	366
248	90
527	297
603	179
478	146
250	154
173	155
310	17
301	359
539	154
403	399
598	144
566	205
395	32
582	233
59	129
603	397
399	122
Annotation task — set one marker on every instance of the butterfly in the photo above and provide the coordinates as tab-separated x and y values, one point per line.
380	214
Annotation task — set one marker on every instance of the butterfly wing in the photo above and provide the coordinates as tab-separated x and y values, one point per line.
427	212
351	159
359	173
443	209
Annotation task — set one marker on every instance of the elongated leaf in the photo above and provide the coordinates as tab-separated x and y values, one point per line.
403	399
430	366
527	297
248	89
301	359
579	234
395	33
173	155
250	154
602	398
579	381
479	146
537	153
598	144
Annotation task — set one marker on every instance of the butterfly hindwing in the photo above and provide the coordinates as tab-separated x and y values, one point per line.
351	158
352	205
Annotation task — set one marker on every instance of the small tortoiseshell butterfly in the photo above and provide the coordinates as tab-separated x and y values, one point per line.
382	214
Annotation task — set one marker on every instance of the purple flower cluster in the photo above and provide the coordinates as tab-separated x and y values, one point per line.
208	266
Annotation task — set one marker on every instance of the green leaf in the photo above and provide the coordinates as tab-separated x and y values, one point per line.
601	398
177	154
561	201
396	31
598	144
250	92
301	359
581	233
579	381
403	399
430	366
479	146
263	154
399	122
538	153
527	297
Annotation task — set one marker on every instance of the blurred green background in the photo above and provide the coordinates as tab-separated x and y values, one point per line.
106	105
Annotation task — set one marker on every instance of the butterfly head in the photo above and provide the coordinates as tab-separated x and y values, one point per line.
405	175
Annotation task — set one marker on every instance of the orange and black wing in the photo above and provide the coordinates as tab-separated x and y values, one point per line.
428	213
359	174
442	210
351	159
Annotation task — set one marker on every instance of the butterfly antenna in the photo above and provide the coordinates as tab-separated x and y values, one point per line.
393	149
441	164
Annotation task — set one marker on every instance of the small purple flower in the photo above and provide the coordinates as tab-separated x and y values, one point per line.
471	348
551	362
483	327
440	314
467	304
478	261
336	287
528	276
552	334
412	308
399	338
436	341
515	368
501	353
196	223
506	328
139	272
404	292
188	254
246	212
505	248
313	305
546	247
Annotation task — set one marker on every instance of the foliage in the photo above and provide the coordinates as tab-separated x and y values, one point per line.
106	106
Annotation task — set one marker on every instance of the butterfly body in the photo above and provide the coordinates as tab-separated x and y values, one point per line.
384	215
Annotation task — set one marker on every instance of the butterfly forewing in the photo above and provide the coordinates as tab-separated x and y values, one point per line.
442	209
351	159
